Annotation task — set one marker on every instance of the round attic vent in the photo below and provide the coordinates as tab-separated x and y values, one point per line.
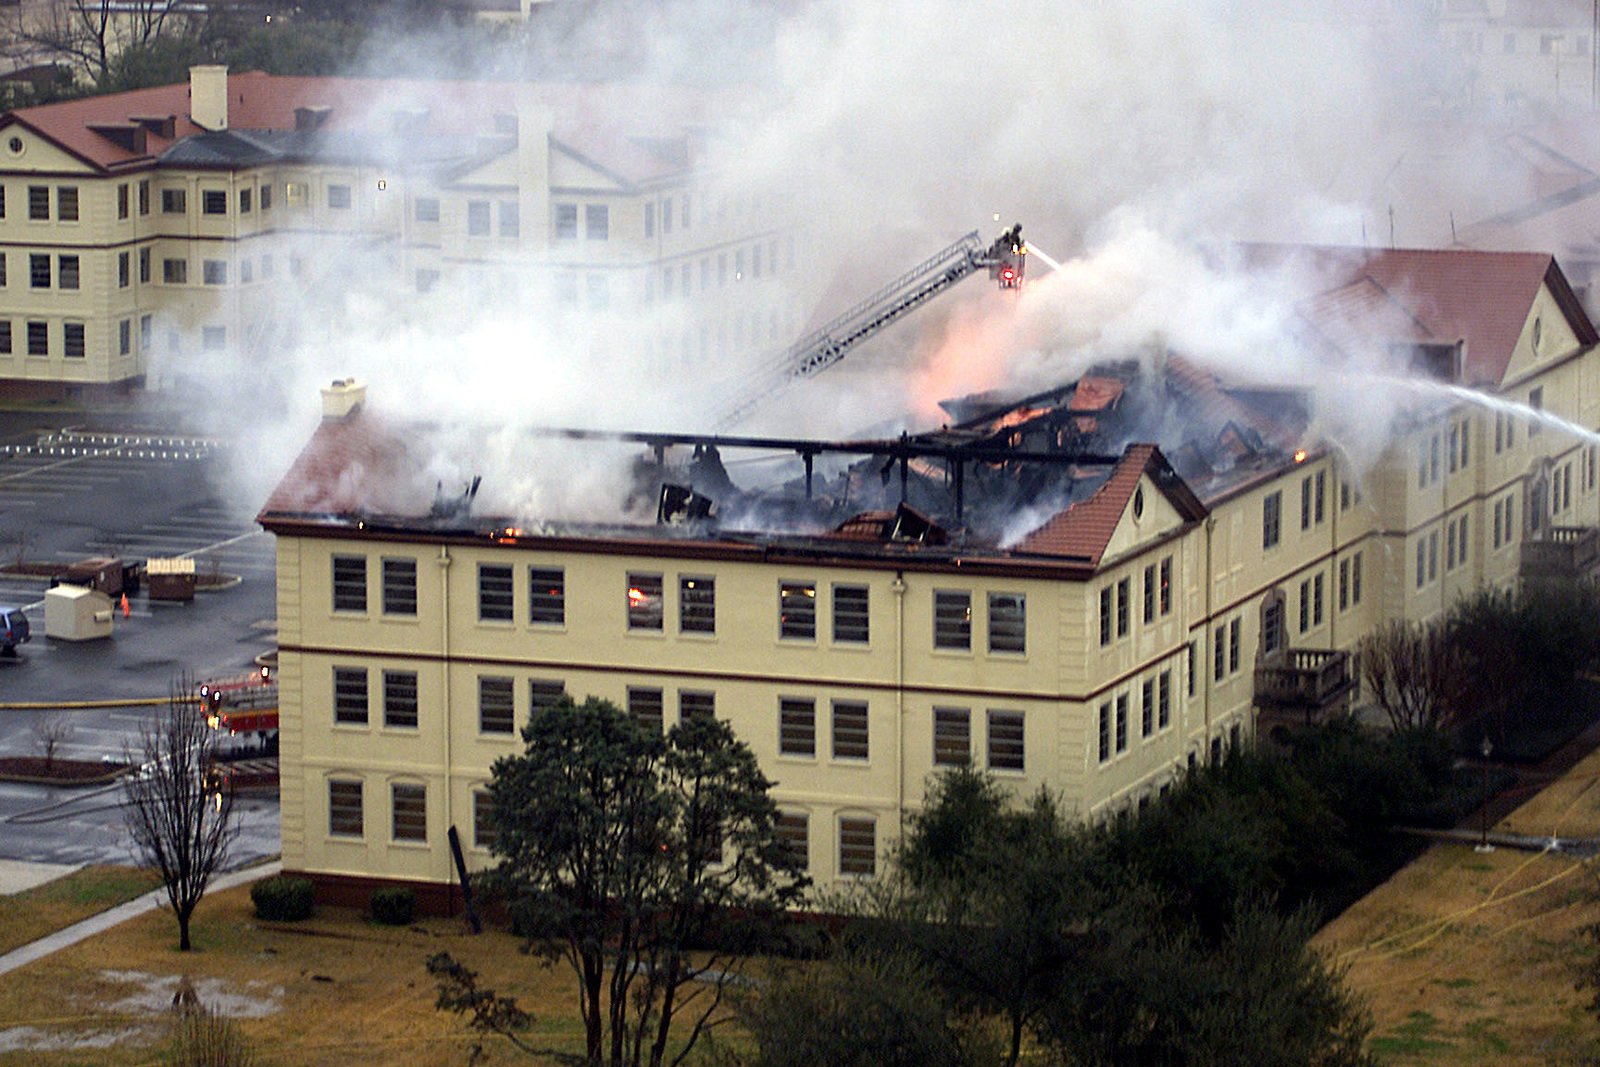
1138	503
16	146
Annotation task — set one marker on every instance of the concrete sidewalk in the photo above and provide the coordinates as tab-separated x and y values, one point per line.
96	924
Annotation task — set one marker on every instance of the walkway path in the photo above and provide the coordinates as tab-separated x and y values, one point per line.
96	924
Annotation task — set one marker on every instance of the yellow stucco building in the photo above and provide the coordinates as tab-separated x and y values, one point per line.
1168	604
149	232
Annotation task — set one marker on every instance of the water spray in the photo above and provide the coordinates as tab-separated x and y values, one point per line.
1035	250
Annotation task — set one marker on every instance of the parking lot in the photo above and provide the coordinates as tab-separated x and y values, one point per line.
67	493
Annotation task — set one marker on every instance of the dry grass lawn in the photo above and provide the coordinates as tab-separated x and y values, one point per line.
44	909
334	990
1470	959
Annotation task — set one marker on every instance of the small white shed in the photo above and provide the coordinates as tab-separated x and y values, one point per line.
76	613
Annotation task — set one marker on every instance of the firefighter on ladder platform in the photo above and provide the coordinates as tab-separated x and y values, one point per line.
1007	258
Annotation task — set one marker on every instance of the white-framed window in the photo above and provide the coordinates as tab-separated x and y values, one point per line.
409	810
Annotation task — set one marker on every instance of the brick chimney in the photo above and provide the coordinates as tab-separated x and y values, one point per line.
343	398
208	97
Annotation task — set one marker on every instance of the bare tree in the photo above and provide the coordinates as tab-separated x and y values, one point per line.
1414	673
89	33
181	819
49	734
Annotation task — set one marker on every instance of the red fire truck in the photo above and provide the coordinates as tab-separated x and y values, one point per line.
243	707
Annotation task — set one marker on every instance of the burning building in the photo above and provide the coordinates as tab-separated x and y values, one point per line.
1090	588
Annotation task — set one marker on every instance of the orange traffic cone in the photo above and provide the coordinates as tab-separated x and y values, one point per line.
126	611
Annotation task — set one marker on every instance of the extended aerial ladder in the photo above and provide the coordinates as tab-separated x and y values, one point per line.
1005	260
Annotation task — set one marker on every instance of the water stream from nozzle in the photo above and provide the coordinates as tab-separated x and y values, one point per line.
1035	250
1484	400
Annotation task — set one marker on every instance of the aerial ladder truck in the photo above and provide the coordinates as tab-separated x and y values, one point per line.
1005	259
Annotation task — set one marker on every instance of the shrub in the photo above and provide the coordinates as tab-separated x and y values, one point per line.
393	905
202	1039
282	898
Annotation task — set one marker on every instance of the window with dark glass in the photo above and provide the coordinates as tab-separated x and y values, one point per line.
39	203
38	338
39	271
1006	740
496	597
399	587
547	596
1105	731
349	583
952	619
344	808
850	730
645	705
850	620
1122	722
1233	640
1165	590
67	203
696	704
174	201
1008	622
952	737
1122	607
1164	700
644	601
1147	707
246	198
797	726
214	202
350	695
697	604
410	810
483	829
1105	616
400	698
794	834
797	610
72	342
858	847
544	693
566	221
496	704
67	272
1271	519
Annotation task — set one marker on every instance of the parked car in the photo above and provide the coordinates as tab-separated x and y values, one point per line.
14	630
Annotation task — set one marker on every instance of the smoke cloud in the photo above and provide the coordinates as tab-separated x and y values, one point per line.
1134	140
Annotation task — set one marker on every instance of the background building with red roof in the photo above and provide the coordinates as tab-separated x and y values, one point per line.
148	231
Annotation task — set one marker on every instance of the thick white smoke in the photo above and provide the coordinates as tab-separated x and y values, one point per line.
1127	137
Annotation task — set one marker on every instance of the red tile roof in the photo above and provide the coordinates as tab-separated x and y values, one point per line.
1482	298
1084	530
589	117
358	465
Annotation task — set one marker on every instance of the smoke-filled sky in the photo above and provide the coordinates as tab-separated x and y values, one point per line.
1128	136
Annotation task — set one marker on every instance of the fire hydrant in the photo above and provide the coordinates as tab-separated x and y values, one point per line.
126	611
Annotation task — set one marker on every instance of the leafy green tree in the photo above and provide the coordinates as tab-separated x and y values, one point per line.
866	1007
621	852
1002	903
1260	996
159	61
1248	827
